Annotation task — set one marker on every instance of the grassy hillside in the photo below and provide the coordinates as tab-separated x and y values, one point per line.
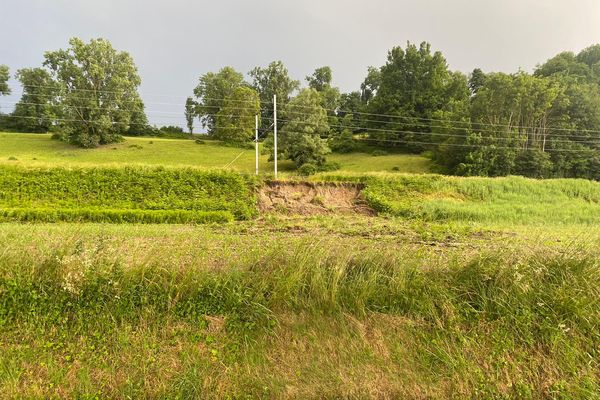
507	200
143	194
99	311
39	149
124	195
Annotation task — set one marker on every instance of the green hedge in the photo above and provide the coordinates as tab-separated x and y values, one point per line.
147	195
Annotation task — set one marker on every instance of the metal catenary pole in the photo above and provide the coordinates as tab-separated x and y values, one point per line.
256	140
275	131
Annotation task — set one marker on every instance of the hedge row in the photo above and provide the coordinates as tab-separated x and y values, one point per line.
146	195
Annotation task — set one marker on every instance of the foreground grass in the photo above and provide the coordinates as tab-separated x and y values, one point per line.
305	309
39	150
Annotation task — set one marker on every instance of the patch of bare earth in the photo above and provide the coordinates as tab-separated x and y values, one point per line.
312	198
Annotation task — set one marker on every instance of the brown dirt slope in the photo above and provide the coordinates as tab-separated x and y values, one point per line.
308	198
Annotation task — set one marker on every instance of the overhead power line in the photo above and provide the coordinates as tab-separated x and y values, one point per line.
464	125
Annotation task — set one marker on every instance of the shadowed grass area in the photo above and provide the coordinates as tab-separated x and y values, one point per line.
107	312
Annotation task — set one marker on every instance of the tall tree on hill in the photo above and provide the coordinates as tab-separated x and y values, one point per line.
97	88
37	107
190	107
4	77
476	80
236	118
211	92
414	84
368	88
273	80
301	137
138	124
321	81
508	130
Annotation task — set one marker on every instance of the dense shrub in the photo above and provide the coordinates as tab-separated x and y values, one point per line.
307	169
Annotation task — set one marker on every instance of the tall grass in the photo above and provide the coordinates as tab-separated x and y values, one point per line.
124	195
514	200
543	306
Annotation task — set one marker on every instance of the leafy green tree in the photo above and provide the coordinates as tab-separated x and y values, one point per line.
190	106
414	84
138	124
4	77
476	80
510	117
300	138
590	56
97	88
369	86
534	163
579	75
321	81
211	92
236	118
350	103
344	141
37	107
566	65
270	81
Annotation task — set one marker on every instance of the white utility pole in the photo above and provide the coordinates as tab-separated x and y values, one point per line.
275	130
256	139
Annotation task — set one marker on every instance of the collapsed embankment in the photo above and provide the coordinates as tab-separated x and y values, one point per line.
185	195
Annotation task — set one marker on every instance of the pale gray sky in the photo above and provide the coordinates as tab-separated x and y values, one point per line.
175	41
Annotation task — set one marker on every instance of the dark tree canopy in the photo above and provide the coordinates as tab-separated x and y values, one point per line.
38	107
4	77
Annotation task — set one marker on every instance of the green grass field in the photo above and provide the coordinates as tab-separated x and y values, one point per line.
306	308
40	149
457	288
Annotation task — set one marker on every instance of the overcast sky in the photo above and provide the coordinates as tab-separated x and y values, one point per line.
175	41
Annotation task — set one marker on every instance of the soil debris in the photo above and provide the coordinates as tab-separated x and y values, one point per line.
308	198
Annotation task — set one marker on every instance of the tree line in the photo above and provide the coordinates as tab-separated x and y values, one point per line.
540	124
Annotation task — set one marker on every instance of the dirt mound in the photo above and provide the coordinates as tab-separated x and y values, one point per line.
307	198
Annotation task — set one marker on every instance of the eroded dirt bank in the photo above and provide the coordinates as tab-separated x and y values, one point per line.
309	198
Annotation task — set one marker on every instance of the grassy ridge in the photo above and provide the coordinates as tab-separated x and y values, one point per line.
513	200
182	195
124	194
302	319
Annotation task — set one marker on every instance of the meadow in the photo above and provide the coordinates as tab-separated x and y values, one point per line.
164	279
40	149
305	308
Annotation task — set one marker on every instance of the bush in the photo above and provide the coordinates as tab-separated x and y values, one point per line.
330	166
307	169
344	143
379	153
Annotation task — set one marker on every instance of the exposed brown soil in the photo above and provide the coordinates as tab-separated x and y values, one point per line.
308	198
